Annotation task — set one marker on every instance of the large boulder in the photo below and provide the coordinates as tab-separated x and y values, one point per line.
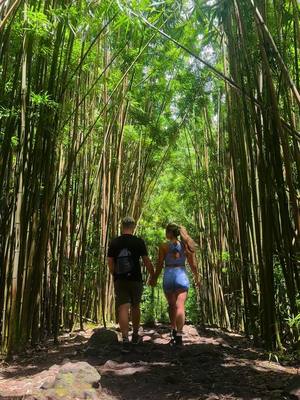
101	338
73	381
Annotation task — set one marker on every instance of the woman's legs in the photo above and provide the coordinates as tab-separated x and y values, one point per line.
176	285
176	302
180	310
172	298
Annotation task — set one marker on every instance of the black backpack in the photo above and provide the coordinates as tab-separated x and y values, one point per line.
124	263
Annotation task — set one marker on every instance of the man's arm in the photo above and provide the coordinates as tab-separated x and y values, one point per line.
111	264
148	264
146	260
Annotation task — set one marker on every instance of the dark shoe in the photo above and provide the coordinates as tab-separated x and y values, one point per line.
136	339
172	342
178	340
125	346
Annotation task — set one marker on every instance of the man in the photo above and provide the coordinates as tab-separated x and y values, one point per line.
124	255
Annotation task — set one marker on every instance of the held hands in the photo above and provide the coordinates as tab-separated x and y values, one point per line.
152	280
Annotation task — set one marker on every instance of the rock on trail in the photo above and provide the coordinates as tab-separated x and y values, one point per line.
72	380
99	339
77	380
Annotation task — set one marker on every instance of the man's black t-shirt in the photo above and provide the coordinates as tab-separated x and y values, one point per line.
136	247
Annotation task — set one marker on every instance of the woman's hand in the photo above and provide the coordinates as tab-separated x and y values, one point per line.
196	276
192	260
152	280
197	281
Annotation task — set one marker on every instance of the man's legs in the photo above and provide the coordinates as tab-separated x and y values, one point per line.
124	319
123	304
136	298
129	295
136	317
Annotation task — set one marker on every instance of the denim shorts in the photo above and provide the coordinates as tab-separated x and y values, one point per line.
175	278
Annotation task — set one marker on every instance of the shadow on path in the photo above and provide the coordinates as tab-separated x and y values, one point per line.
212	365
207	367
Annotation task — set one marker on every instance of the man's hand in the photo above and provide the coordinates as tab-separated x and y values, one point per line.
148	264
153	280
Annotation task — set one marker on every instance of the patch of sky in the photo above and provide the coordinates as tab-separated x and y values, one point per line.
187	9
194	64
211	3
208	54
208	86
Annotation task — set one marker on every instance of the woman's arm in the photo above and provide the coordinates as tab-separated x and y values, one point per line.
159	265
192	260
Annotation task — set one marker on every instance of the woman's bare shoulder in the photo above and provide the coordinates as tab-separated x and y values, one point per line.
164	246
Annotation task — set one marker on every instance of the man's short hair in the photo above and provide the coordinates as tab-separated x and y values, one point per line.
128	223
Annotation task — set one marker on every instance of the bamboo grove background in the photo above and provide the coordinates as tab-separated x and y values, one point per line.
108	109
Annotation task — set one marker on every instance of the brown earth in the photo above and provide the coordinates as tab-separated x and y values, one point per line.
212	365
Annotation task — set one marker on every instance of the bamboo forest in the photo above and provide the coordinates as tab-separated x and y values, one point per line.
183	111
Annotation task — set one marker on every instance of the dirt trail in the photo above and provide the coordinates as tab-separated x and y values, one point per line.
212	365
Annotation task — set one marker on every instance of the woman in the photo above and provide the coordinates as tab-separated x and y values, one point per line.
175	281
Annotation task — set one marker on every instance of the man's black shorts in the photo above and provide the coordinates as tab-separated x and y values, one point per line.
128	292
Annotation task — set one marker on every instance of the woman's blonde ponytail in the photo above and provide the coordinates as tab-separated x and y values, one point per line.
187	240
